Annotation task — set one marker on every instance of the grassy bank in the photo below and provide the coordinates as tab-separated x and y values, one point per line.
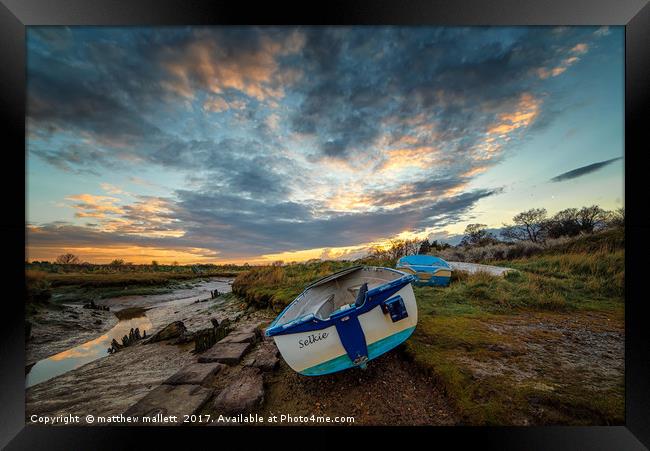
103	280
72	285
277	286
507	350
606	241
543	345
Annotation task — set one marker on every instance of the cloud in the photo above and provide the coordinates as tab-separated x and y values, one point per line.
602	31
242	228
584	170
90	206
284	138
221	59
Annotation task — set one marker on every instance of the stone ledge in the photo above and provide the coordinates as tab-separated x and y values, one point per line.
170	400
195	374
228	353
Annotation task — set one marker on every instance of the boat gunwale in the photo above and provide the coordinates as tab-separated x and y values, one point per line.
371	301
437	263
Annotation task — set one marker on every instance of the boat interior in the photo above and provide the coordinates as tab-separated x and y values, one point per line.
337	292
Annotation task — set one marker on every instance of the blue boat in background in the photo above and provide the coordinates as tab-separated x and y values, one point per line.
430	270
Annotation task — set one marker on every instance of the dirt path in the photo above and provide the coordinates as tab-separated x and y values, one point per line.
477	267
391	391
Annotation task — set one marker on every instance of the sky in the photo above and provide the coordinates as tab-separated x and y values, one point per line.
257	144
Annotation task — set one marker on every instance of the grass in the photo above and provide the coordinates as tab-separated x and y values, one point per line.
276	286
503	348
605	241
498	345
102	280
81	286
460	335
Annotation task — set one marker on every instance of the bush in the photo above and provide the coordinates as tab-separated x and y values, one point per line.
37	287
608	240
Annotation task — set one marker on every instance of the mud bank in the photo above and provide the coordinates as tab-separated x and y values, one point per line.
56	328
59	327
108	385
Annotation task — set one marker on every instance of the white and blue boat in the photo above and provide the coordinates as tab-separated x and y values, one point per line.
345	320
429	270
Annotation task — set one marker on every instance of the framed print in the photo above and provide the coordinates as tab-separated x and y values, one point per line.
389	218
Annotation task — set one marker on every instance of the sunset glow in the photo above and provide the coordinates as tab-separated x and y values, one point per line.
247	144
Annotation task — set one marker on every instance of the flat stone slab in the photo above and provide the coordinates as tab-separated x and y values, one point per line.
255	328
195	374
243	395
228	353
264	358
169	402
243	337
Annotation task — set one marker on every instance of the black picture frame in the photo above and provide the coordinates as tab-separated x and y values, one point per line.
15	15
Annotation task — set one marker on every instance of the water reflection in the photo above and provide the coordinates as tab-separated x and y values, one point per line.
79	355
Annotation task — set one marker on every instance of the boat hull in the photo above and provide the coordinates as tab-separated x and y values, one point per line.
440	277
318	352
429	270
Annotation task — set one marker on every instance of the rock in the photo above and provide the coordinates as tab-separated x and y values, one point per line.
115	346
93	306
204	339
185	337
127	340
173	330
251	328
235	337
264	358
167	400
195	374
98	321
243	395
228	353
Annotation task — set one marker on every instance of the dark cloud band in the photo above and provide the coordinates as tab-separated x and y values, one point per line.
584	170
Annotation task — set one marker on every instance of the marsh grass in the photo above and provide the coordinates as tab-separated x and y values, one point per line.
100	280
458	332
75	286
276	286
606	241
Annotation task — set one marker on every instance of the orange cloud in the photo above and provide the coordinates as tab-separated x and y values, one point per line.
211	66
417	157
580	48
475	171
91	206
525	113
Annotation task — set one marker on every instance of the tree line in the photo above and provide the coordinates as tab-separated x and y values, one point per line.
536	226
533	225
